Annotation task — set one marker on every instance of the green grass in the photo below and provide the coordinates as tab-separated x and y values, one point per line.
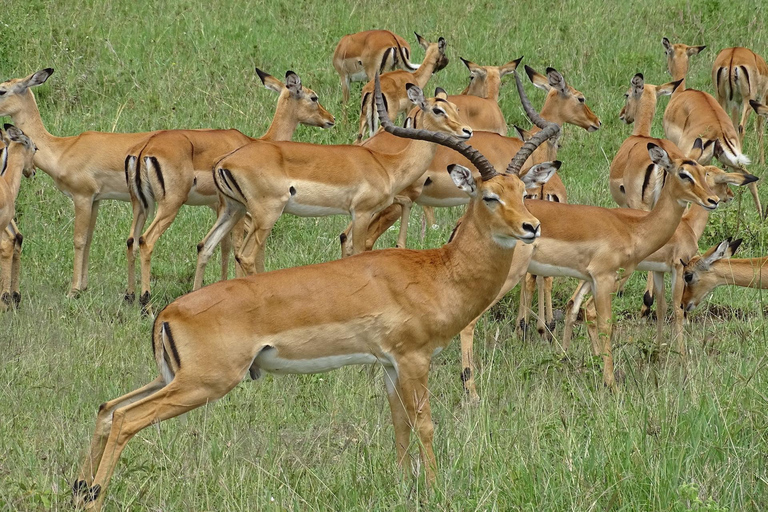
547	436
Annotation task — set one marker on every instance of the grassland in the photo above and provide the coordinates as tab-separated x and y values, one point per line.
546	435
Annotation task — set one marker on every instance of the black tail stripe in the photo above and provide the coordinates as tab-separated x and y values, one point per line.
646	180
154	347
159	173
234	182
384	58
172	343
137	179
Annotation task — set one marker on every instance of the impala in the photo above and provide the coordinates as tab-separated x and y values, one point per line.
16	159
740	76
393	86
394	308
311	180
358	57
692	114
598	245
173	168
716	268
682	246
87	168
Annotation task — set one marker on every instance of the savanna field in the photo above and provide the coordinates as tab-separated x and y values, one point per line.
547	435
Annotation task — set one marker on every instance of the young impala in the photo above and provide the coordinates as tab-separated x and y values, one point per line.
393	308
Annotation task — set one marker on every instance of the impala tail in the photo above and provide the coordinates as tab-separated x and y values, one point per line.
729	154
138	185
165	351
405	57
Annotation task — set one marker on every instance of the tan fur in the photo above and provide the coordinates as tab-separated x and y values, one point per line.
184	159
359	56
394	308
393	87
88	167
740	76
17	155
317	180
599	244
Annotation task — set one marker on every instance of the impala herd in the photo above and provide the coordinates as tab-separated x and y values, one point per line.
395	308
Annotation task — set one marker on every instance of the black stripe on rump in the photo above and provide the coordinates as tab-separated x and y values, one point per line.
172	343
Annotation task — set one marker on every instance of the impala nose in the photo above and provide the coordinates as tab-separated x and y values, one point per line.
467	132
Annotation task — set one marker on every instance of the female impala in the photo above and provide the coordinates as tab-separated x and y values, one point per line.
173	168
740	76
87	168
311	180
716	268
16	159
394	308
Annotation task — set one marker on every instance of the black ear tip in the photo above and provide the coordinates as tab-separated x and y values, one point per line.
640	76
289	73
750	178
735	244
451	167
557	164
439	90
410	86
518	60
262	74
551	70
651	146
49	70
441	40
6	126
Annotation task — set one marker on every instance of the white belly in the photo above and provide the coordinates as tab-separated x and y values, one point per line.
442	203
653	266
268	360
542	269
197	199
309	210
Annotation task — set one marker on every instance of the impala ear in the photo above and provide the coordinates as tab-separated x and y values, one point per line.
637	84
734	246
416	95
694	50
14	133
668	88
293	82
34	79
468	63
721	251
509	67
537	79
523	133
441	44
556	81
539	174
660	157
697	150
422	42
270	82
463	179
440	93
759	108
667	45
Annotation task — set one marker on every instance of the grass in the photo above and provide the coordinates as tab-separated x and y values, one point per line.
546	436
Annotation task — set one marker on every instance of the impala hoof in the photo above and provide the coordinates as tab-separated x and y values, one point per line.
129	298
146	309
16	298
79	489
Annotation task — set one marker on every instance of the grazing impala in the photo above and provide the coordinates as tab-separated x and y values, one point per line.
600	256
693	114
716	268
173	168
87	168
358	57
393	308
740	76
393	86
16	159
311	180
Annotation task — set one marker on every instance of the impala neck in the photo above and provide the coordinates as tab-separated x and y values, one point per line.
421	76
696	218
645	112
678	70
656	228
13	170
407	165
749	272
283	125
28	120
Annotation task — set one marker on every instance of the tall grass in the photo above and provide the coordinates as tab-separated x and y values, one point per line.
546	436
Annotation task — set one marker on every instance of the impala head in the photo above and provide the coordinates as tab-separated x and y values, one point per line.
564	104
499	201
485	81
15	91
436	114
434	50
300	102
677	57
16	141
689	178
642	97
718	180
699	275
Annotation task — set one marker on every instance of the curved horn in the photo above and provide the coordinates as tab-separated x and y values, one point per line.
548	130
487	170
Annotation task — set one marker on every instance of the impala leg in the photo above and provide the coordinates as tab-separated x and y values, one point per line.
360	222
174	399
753	189
263	218
242	227
226	247
661	310
648	296
517	270
572	312
429	213
412	379
166	213
101	433
405	203
16	265
541	325
742	127
526	300
229	215
548	314
345	87
83	209
381	222
6	263
677	299
590	317
399	415
761	149
89	239
602	296
137	227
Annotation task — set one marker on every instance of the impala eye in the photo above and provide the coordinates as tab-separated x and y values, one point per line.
438	111
314	99
688	276
490	199
685	176
582	100
2	92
